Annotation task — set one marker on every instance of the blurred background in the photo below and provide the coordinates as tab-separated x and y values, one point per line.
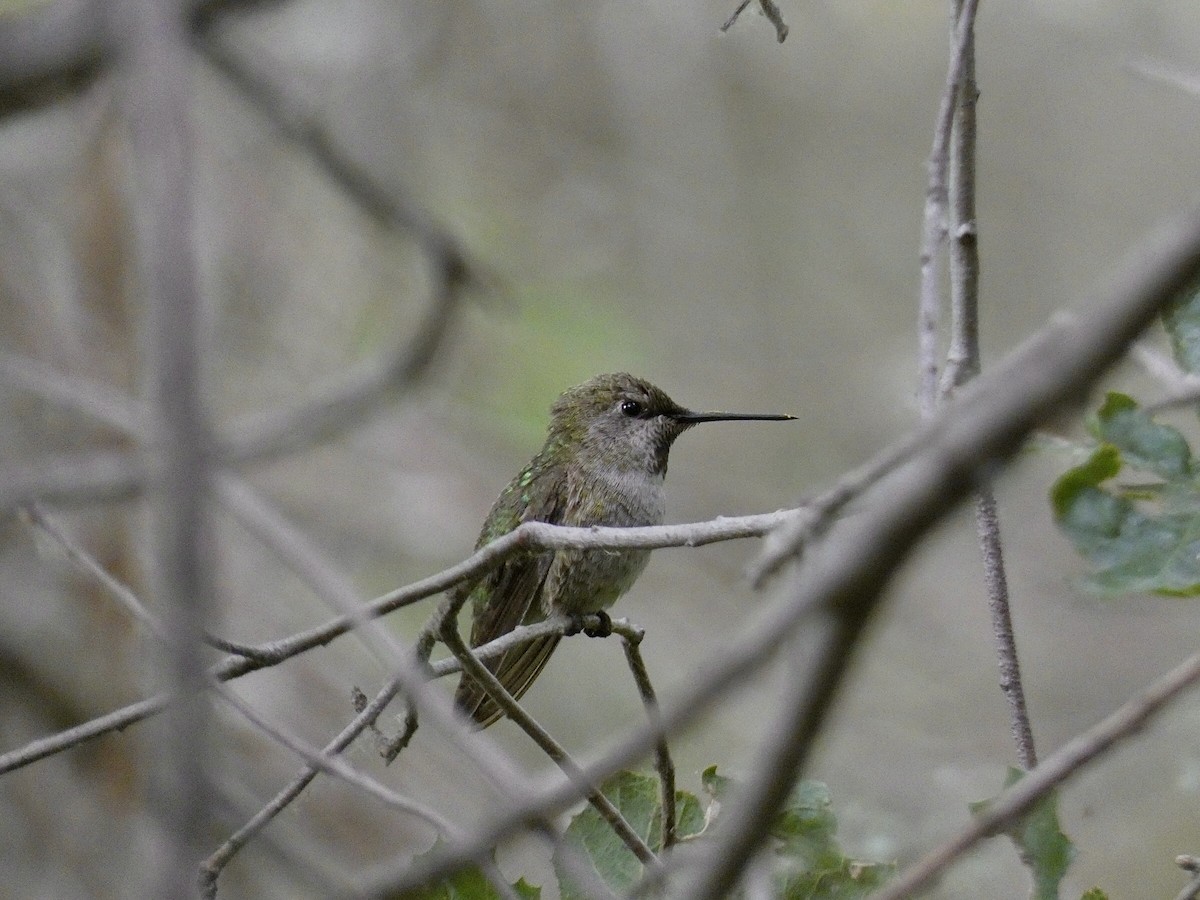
736	220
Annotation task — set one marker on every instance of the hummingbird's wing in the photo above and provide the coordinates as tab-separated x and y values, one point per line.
511	595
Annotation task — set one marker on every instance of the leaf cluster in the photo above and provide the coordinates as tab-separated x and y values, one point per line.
807	861
1141	533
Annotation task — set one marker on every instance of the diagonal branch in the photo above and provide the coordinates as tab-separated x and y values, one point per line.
473	668
662	751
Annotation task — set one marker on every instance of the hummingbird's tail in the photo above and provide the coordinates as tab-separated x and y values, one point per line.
516	670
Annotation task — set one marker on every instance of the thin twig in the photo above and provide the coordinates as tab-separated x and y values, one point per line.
1056	768
963	364
92	476
962	354
936	200
215	863
336	766
85	562
996	581
1156	70
316	758
473	668
82	395
787	542
1183	388
662	750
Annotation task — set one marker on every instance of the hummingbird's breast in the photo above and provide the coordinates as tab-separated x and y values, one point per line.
587	581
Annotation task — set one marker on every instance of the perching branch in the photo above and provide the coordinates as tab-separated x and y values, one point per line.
531	535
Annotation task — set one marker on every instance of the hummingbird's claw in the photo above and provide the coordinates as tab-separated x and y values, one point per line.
574	625
604	629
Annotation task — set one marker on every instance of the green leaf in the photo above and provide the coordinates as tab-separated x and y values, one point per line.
689	815
1144	443
809	862
1132	550
806	826
637	797
1094	894
1044	849
1104	464
1182	321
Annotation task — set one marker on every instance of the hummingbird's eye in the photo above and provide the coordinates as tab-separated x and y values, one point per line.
631	408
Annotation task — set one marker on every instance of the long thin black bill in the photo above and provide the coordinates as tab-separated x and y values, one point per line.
692	418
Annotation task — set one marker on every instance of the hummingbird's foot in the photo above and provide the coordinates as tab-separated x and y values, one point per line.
604	629
574	625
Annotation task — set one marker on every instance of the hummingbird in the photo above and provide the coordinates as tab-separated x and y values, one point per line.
603	463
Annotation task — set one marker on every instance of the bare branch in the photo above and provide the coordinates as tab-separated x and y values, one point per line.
47	525
81	395
59	46
97	476
528	535
319	760
963	363
936	201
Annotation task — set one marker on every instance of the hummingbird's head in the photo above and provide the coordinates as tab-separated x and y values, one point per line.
626	423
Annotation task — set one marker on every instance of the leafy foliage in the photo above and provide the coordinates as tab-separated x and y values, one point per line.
1044	849
809	864
1140	536
636	796
1143	535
